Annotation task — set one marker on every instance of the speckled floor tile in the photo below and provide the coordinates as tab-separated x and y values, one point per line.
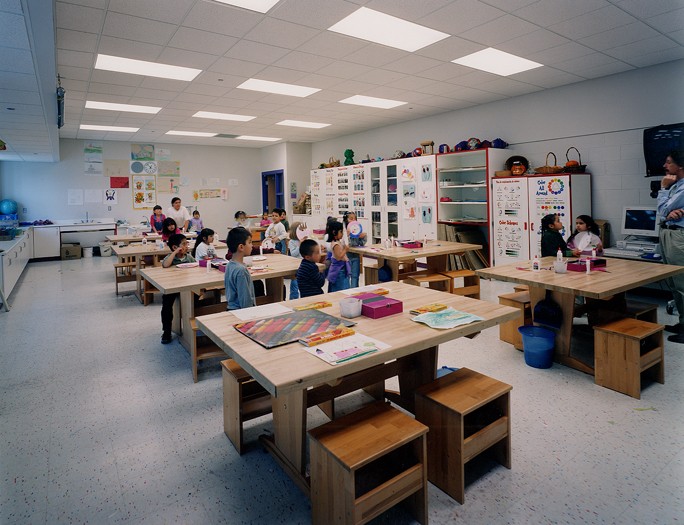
100	423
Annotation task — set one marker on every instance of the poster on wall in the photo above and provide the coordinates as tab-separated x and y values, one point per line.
426	214
168	168
207	194
168	185
119	182
358	192
162	154
148	167
92	156
93	196
407	174
409	201
426	173
111	196
144	191
75	197
142	152
116	168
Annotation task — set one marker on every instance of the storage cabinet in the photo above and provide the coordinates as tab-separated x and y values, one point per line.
14	258
46	241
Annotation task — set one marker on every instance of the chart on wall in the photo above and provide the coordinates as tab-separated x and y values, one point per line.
92	156
330	199
343	191
358	174
316	180
144	191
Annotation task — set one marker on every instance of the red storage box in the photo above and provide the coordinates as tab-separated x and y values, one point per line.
581	266
410	244
376	306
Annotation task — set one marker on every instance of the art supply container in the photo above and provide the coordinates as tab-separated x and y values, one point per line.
538	344
350	307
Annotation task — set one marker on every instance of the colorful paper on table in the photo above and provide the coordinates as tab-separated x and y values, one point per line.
371	288
188	265
446	319
346	349
260	312
314	306
433	307
327	336
290	327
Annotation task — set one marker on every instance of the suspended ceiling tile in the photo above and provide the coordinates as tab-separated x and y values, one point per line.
319	81
18	81
76	40
605	70
17	60
78	18
585	63
221	18
643	9
642	47
459	16
532	43
77	73
129	48
138	29
559	53
11	6
548	12
75	58
320	14
658	57
151	94
279	74
509	87
186	58
593	23
343	69
171	11
205	89
619	36
450	49
548	77
333	45
163	83
112	77
280	33
192	39
413	64
232	66
98	4
376	55
303	61
667	22
109	89
446	72
256	52
499	30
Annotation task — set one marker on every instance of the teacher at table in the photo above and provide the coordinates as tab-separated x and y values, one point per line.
179	213
671	212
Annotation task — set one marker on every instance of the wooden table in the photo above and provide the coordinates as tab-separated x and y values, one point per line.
135	253
130	237
298	380
191	281
621	275
436	253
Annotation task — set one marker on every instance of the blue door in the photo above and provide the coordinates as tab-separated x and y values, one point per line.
272	193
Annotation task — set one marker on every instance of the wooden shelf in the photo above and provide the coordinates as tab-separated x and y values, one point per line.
462	170
464	186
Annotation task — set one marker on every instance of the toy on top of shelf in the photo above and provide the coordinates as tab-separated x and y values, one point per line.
444	148
428	147
499	143
348	157
474	143
461	146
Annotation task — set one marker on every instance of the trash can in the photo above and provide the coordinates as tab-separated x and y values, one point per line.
538	345
88	251
105	249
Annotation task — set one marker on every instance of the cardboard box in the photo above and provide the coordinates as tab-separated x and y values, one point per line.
70	251
377	306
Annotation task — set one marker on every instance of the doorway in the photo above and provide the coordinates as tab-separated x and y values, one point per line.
272	195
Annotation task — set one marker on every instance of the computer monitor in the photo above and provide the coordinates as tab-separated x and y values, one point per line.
640	220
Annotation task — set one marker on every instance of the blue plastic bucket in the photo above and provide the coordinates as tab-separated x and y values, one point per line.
538	344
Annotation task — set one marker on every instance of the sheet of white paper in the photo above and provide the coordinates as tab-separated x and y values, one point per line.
347	348
259	312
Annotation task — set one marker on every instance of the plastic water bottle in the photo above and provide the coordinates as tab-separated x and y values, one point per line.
210	251
559	255
593	252
387	244
588	263
261	250
535	263
144	241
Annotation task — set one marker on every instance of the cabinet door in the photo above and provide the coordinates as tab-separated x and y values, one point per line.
548	194
510	227
46	242
378	230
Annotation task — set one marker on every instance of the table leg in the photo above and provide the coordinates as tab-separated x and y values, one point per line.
138	279
414	370
274	290
394	267
289	427
437	263
182	313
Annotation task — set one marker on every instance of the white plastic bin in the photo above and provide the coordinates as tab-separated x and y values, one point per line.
105	249
88	251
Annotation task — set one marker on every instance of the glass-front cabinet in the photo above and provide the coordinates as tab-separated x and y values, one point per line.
384	201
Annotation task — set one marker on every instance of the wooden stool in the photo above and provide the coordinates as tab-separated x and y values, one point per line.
370	272
124	272
365	463
508	331
623	350
243	399
521	288
201	347
467	413
643	311
435	281
471	283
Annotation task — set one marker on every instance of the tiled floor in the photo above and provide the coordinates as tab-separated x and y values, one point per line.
100	423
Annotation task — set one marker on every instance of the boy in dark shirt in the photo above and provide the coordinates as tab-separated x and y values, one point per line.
309	277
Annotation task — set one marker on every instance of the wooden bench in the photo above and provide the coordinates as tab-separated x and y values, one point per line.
365	463
201	347
243	399
626	349
471	283
508	331
370	271
435	281
643	311
467	413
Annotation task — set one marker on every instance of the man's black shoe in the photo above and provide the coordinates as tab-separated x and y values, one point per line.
676	338
166	338
674	328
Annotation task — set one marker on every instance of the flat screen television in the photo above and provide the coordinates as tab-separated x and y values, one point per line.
658	142
640	220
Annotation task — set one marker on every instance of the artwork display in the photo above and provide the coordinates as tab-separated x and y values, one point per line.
144	191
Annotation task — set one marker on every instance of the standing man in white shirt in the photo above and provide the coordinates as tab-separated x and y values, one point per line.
179	213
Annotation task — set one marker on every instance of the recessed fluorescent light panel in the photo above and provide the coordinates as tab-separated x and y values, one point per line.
302	124
191	133
372	102
498	62
262	139
111	106
260	6
278	88
142	67
89	127
388	30
223	116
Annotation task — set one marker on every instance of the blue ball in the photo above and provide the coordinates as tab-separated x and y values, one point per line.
8	207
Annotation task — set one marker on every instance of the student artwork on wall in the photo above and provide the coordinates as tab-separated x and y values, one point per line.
409	201
162	154
142	152
168	168
168	185
207	194
119	182
426	173
92	196
426	214
147	167
144	191
75	197
407	174
92	156
111	196
426	193
116	168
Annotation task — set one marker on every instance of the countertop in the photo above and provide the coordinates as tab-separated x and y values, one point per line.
8	245
66	222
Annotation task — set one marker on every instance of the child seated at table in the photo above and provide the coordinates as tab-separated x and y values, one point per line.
309	277
168	229
552	240
178	245
203	248
585	237
293	245
238	281
196	223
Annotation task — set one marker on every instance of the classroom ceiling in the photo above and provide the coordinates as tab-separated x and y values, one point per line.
574	40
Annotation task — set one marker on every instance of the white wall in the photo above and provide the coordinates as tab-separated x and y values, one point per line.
42	187
603	118
298	170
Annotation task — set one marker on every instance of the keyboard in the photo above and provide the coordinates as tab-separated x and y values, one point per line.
629	254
